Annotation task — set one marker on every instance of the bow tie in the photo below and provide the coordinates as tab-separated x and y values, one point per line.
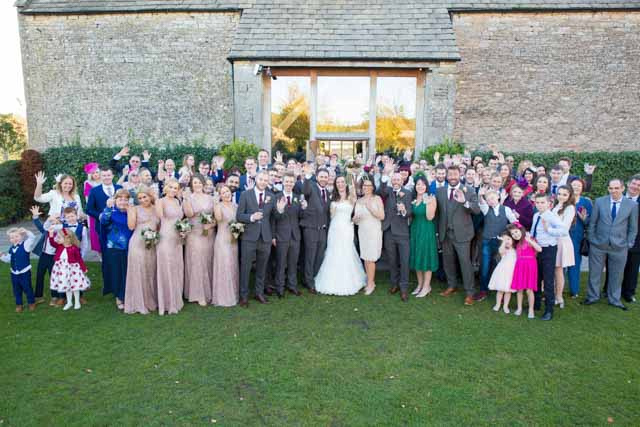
69	225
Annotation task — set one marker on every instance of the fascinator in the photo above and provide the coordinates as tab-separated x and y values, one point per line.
90	168
522	183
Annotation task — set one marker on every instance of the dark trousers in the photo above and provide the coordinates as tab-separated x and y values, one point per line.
454	253
315	243
22	283
45	264
574	272
488	261
546	272
287	262
396	249
259	252
630	279
114	263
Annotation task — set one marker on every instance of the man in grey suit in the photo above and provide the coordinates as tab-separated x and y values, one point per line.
456	203
314	222
287	237
612	232
395	227
257	210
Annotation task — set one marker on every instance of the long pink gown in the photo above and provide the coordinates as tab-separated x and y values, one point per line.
170	260
226	275
93	234
198	252
141	295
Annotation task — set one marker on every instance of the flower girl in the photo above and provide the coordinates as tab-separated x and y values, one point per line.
69	271
503	274
525	274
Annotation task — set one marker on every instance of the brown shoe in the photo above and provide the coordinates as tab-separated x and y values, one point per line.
53	302
32	307
18	309
449	292
394	290
262	299
313	291
83	300
244	303
295	292
404	296
40	301
61	302
468	300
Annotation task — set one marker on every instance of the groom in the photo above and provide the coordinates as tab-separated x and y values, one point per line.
314	222
257	210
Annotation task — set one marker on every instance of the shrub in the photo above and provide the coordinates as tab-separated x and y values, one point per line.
447	146
11	201
30	163
235	153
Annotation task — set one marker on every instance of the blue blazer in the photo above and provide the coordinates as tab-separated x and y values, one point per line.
97	202
433	189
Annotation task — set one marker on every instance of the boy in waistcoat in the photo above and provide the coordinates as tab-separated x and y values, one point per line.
22	243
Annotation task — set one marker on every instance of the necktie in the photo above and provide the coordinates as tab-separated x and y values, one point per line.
535	227
451	193
110	191
324	195
288	200
260	199
614	211
554	189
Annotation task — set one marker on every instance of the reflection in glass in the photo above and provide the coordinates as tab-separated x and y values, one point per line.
290	124
396	113
343	104
344	149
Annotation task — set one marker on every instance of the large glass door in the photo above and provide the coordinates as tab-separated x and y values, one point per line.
343	148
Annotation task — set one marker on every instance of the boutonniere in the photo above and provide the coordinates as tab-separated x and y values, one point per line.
400	194
267	199
295	201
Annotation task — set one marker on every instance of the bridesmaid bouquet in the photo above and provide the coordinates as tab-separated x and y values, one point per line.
205	219
183	227
150	237
236	228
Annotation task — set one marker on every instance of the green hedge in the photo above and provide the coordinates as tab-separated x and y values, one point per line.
11	202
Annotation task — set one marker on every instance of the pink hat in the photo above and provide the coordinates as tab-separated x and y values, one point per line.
90	168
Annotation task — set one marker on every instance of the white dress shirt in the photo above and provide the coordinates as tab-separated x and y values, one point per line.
555	228
484	207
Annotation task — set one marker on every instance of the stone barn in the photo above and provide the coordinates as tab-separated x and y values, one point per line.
354	75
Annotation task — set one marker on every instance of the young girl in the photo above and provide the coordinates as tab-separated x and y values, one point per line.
565	206
525	273
503	274
93	179
69	272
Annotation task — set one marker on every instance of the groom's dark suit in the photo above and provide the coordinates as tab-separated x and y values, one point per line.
314	223
396	234
255	242
288	237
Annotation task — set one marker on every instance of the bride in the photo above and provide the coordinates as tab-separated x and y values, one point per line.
341	272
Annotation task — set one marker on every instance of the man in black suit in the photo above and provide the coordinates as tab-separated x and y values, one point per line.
134	162
314	222
257	210
287	239
395	227
630	278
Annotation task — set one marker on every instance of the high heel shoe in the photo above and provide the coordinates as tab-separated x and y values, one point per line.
422	295
496	308
417	290
517	312
369	290
561	304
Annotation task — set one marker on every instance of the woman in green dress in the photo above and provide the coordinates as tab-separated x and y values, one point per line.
424	250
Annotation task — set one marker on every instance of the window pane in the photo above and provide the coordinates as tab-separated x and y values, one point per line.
290	114
343	104
396	113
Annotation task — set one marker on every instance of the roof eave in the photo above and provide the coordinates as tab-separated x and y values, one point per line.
232	58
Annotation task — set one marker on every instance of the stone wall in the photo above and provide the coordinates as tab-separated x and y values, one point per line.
549	81
165	76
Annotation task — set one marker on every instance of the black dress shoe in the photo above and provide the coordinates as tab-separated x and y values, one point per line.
295	292
621	307
262	299
588	302
313	291
404	296
280	294
394	290
244	303
547	316
268	291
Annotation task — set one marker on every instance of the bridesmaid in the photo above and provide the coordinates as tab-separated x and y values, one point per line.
226	274
141	295
423	255
369	213
198	250
169	251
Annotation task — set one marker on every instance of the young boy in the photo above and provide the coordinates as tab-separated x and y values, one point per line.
496	219
22	243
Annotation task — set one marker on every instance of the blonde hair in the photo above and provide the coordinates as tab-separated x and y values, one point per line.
168	182
69	237
17	230
122	193
491	193
58	185
143	189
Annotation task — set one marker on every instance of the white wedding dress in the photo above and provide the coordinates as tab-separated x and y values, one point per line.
341	272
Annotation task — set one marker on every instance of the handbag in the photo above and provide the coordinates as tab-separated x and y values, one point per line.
584	246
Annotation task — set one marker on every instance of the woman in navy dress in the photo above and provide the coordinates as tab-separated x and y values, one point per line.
577	233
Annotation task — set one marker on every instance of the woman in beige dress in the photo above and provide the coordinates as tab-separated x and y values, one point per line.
198	250
141	295
225	285
369	213
169	251
565	206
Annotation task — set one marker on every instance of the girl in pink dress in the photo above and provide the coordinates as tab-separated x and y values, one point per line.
502	276
525	273
93	179
226	275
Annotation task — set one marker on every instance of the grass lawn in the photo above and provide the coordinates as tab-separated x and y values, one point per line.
318	360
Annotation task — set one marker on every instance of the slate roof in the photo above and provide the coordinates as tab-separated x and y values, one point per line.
407	30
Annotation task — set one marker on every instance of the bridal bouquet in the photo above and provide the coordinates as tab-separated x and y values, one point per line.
150	237
236	228
205	219
183	227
